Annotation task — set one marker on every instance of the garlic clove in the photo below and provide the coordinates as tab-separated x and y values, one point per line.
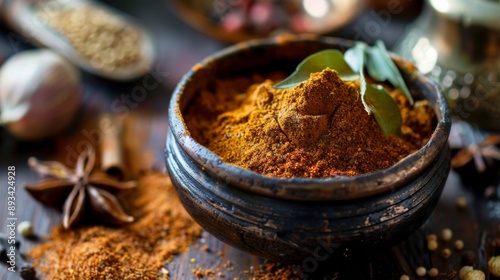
40	94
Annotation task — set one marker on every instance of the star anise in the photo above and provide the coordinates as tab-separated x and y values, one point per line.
482	153
78	193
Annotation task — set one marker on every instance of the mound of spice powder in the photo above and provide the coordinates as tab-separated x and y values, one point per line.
316	129
137	251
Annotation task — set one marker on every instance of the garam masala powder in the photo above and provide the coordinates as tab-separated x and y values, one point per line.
136	251
318	128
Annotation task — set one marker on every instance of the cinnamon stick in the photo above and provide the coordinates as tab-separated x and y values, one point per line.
112	158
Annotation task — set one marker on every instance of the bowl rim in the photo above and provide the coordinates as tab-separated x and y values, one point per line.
302	188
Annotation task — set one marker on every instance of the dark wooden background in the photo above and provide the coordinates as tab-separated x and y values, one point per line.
180	47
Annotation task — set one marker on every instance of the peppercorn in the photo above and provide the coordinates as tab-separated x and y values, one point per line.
431	237
446	234
445	253
3	247
461	202
164	271
421	271
459	244
494	265
25	229
26	270
468	258
433	272
206	248
432	245
495	243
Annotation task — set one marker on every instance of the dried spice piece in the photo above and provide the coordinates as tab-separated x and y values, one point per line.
446	234
316	129
25	269
432	245
461	202
111	146
136	251
495	244
494	265
421	271
464	270
468	258
433	272
445	253
474	275
431	237
25	229
459	244
482	153
80	193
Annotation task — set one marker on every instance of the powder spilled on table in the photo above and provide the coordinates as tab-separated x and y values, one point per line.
137	251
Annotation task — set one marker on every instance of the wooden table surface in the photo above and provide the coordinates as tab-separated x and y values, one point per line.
180	47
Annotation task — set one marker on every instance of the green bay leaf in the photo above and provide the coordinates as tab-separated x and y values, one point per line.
381	68
350	67
317	62
384	109
355	57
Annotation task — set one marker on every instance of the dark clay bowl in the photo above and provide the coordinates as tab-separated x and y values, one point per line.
291	220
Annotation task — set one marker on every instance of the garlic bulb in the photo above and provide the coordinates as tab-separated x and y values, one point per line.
39	94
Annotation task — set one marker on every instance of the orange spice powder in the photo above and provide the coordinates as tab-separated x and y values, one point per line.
316	129
137	251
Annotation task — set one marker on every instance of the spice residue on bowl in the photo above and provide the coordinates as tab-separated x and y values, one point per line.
316	129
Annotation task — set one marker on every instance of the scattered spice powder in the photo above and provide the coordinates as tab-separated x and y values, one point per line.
316	129
275	271
137	251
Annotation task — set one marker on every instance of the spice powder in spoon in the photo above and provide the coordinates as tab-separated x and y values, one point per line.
316	129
